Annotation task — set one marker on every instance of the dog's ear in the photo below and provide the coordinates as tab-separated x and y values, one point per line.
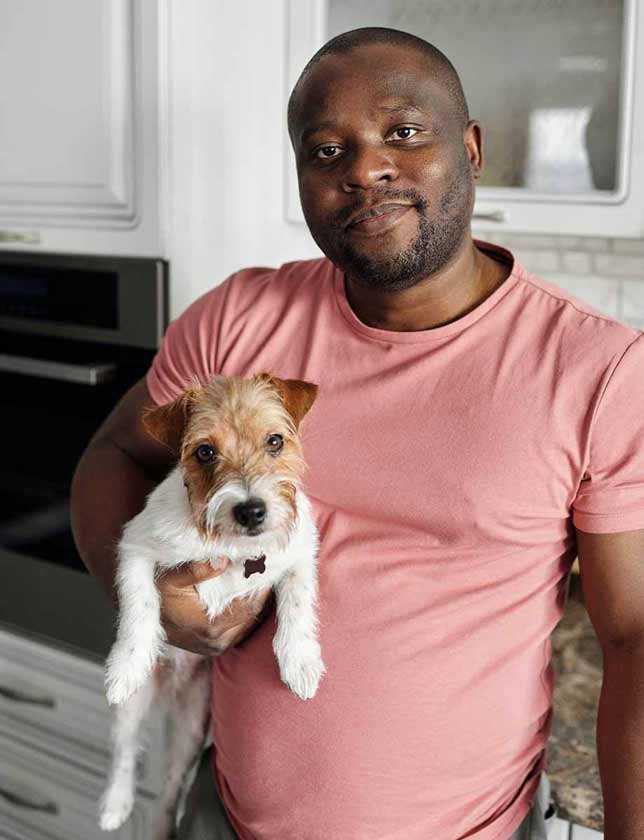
167	423
297	395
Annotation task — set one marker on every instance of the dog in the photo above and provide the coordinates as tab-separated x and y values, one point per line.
234	493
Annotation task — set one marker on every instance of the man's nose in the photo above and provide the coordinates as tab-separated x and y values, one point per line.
250	513
367	166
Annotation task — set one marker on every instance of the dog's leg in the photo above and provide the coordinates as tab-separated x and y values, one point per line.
296	644
140	636
188	701
118	799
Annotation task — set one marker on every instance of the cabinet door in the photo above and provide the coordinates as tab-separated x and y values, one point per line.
557	85
78	126
53	699
559	830
42	797
579	832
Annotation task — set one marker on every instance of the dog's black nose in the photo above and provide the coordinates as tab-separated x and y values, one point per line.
250	514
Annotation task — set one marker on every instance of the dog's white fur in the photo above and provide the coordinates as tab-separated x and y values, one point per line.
163	536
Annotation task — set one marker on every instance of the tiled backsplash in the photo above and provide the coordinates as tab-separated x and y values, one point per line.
607	273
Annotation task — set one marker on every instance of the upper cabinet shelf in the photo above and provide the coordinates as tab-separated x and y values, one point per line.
557	85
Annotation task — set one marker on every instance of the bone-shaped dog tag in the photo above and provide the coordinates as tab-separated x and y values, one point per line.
255	564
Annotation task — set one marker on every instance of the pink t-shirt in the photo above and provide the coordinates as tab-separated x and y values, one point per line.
446	468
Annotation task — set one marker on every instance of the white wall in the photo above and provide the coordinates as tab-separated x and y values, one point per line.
216	125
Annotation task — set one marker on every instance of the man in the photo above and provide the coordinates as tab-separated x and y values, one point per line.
476	428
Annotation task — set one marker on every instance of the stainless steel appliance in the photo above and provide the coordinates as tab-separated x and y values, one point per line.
75	333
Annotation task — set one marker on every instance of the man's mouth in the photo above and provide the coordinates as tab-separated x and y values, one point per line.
377	219
376	210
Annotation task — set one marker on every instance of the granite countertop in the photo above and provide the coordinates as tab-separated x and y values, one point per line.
572	755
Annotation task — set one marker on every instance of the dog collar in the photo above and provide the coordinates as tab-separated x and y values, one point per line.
255	564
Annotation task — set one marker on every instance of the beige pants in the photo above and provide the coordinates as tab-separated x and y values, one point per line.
205	817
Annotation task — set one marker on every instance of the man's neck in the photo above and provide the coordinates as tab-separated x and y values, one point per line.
469	278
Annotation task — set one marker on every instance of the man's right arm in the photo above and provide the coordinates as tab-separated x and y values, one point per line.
120	466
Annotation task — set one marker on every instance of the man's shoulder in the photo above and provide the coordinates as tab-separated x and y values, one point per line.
256	286
579	326
295	272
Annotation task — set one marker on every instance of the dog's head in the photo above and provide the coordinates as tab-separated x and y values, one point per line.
238	445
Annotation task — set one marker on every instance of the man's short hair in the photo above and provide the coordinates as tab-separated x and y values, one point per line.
441	66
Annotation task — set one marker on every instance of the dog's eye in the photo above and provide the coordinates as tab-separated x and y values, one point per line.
205	454
274	444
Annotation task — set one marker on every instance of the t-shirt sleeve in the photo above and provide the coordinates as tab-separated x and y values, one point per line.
189	349
611	493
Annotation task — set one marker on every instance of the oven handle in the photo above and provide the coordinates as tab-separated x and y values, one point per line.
91	374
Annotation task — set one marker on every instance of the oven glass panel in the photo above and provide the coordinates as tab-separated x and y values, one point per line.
50	420
60	295
35	521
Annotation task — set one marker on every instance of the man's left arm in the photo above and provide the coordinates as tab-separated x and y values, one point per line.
612	578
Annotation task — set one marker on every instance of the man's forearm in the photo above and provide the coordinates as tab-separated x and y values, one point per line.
620	737
108	489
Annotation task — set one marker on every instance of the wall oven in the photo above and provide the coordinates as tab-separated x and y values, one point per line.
75	333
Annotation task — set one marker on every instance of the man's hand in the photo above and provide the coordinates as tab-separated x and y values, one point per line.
184	618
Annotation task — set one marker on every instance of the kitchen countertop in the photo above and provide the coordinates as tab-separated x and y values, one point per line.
572	755
67	608
56	605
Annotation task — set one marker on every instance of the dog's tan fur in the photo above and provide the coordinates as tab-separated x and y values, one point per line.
235	417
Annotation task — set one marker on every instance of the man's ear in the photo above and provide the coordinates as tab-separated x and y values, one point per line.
167	423
297	395
473	141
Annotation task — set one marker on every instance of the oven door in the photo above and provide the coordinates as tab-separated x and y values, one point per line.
54	394
34	520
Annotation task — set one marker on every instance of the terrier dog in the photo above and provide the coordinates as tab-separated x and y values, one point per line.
235	492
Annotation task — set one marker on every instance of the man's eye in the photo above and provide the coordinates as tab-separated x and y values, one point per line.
405	128
274	444
322	152
205	454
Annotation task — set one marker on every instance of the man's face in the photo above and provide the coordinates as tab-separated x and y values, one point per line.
375	127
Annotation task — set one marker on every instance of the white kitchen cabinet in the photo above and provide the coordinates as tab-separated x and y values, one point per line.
558	86
54	743
579	832
39	796
559	830
156	127
81	84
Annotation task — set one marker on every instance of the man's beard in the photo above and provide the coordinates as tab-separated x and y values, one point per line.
435	244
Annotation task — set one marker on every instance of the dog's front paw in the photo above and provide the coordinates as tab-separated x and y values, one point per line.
303	677
301	668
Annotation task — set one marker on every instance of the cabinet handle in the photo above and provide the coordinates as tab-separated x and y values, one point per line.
21	802
21	697
492	216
